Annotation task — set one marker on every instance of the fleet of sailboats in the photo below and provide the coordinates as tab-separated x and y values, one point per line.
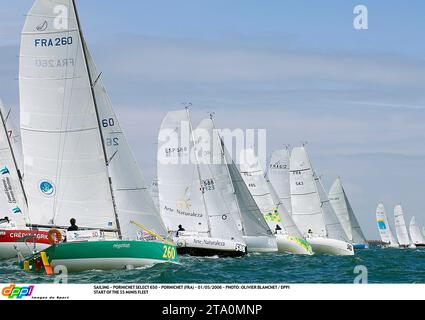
71	160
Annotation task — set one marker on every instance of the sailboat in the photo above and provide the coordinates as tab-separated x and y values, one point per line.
289	238
279	176
189	195
78	163
256	232
15	236
312	211
415	233
342	207
387	236
401	228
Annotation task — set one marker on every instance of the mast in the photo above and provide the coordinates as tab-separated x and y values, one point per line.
13	156
92	84
197	168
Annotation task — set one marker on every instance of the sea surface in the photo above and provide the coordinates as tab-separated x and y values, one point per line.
384	266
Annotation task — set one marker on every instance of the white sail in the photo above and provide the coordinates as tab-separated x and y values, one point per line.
154	191
311	209
132	199
261	189
400	227
384	226
222	216
252	219
415	233
180	197
12	197
279	176
332	223
345	213
65	172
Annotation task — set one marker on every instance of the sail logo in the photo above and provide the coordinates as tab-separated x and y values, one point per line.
4	171
17	210
382	225
47	188
42	27
14	292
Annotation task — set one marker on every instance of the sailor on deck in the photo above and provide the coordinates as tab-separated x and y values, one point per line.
181	229
73	226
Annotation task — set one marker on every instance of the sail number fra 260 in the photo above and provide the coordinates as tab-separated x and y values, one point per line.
53	42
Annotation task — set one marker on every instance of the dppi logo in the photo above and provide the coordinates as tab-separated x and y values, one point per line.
14	292
47	188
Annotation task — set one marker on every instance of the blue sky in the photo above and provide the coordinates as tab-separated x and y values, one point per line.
297	68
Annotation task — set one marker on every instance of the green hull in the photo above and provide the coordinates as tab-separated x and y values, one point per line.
105	255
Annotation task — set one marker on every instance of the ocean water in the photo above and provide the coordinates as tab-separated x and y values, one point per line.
385	266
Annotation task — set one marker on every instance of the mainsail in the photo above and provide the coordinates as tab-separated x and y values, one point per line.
384	227
279	176
261	189
65	172
345	213
400	227
180	197
311	209
12	197
415	233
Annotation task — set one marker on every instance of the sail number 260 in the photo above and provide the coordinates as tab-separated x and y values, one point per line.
169	252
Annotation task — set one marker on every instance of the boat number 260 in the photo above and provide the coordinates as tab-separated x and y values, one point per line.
169	252
109	123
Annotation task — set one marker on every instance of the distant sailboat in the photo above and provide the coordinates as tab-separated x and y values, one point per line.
387	236
401	228
78	163
189	195
289	238
15	236
417	237
312	211
340	203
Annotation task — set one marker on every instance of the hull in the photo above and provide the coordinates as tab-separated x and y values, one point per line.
261	244
209	247
293	245
13	241
361	246
105	255
420	245
331	246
